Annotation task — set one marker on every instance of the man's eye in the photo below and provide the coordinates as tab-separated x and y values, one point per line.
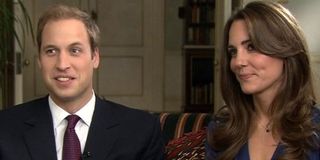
51	51
75	50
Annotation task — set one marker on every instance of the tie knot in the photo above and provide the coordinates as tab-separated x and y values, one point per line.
72	120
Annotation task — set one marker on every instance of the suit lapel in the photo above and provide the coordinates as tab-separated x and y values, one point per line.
103	131
39	135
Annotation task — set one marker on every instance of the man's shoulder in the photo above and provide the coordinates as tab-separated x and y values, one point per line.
125	112
24	108
34	102
13	117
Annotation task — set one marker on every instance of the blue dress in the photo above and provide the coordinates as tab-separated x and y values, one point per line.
244	151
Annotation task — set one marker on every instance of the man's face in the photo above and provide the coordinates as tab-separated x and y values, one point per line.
67	62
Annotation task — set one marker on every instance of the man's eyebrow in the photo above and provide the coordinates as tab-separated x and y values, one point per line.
49	46
75	44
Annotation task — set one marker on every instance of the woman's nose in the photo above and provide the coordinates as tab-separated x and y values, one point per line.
241	58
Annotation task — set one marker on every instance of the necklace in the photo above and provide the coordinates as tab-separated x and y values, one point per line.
267	127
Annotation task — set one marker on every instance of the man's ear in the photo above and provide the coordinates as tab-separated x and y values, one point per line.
96	57
38	60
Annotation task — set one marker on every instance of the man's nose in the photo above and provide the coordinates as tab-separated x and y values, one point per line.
63	61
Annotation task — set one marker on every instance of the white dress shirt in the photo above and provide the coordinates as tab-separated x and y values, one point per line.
60	123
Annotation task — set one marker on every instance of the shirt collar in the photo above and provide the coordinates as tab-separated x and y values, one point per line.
85	113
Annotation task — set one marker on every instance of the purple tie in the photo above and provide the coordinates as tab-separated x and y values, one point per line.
71	144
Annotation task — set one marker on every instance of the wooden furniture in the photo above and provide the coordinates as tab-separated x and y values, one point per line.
199	80
198	49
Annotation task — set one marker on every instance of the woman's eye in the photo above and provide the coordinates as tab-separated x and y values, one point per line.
232	51
251	47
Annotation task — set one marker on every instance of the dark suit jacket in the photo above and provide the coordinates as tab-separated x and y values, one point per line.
116	132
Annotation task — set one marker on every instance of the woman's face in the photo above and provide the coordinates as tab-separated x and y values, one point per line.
257	73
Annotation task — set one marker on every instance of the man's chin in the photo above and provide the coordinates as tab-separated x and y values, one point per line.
63	95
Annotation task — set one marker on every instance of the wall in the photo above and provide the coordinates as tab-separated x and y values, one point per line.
173	67
174	63
131	51
307	12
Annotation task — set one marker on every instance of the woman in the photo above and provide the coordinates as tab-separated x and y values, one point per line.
270	110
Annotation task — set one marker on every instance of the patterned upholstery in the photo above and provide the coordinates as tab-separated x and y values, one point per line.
191	146
175	125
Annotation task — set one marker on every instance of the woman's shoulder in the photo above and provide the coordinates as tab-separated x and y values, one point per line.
316	113
316	120
210	152
218	120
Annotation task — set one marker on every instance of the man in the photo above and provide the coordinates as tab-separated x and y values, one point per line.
68	53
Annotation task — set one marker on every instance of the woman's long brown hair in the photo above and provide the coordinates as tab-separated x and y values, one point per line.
274	32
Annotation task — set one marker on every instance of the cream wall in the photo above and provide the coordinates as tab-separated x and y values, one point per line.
306	12
174	82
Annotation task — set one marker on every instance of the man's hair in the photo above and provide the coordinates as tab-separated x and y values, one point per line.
60	12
